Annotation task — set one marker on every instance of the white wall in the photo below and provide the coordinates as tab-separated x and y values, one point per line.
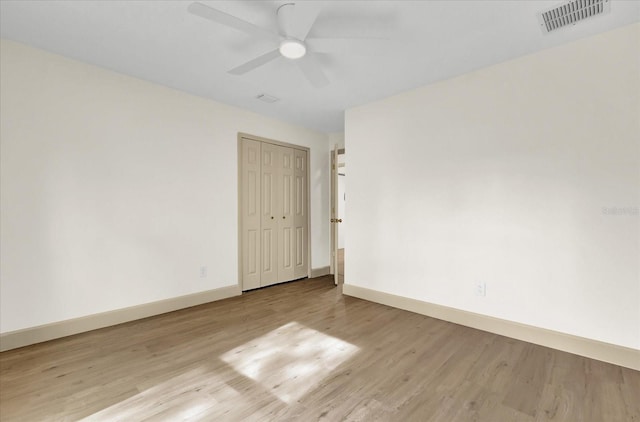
501	176
116	191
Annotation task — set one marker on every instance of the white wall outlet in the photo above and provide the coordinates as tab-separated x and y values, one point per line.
481	288
203	272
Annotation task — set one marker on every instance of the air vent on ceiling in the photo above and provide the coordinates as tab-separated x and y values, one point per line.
267	98
572	12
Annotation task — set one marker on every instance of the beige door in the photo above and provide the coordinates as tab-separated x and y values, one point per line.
270	212
300	217
274	226
251	216
334	214
286	201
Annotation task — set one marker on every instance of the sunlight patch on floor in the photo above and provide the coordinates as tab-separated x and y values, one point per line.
289	360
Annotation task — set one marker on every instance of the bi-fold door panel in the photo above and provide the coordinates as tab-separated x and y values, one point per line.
300	214
286	245
251	205
271	158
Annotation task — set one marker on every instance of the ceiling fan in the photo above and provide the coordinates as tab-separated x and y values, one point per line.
294	23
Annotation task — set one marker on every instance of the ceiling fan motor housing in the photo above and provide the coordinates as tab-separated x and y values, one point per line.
292	48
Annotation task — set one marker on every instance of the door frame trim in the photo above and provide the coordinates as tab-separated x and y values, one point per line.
242	135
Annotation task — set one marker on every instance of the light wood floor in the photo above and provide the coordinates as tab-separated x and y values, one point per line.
303	352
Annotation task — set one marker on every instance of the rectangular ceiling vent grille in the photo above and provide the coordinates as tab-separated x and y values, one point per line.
267	98
572	12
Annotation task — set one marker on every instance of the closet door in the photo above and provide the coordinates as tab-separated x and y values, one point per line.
270	214
300	214
251	218
274	226
285	186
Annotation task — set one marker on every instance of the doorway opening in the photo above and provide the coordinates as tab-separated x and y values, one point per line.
338	213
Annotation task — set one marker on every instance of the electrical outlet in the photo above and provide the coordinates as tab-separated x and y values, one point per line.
481	288
203	272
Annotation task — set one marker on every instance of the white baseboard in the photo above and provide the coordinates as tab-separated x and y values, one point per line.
33	335
319	272
594	349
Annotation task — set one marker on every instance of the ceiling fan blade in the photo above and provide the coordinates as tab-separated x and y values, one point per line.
223	18
352	46
312	71
257	62
304	16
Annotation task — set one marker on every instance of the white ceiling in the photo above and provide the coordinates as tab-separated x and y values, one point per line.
160	41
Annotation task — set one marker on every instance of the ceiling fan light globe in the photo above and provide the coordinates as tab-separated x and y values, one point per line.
292	49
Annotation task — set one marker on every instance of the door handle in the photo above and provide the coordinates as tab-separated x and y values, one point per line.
339	220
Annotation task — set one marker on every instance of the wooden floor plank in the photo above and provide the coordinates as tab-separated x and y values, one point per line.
303	352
